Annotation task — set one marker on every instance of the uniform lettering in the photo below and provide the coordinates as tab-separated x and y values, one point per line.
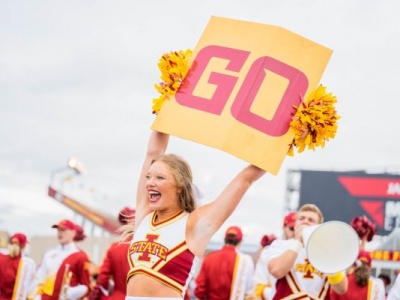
307	269
149	247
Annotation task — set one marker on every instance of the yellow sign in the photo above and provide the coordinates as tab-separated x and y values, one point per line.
240	90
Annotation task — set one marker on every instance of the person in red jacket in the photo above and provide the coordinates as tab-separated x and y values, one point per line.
64	270
226	273
111	280
16	270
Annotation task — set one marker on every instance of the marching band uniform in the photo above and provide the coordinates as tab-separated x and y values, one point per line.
157	249
16	272
115	266
53	266
111	280
394	293
61	267
226	273
374	288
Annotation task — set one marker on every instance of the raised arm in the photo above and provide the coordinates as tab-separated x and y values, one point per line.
156	146
207	219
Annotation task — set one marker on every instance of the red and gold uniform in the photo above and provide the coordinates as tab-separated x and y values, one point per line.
374	290
16	270
115	266
8	274
219	270
159	249
52	271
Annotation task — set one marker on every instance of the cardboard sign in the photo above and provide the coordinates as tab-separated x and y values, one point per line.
239	93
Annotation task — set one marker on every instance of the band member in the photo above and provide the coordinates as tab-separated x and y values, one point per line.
16	270
64	270
226	273
111	280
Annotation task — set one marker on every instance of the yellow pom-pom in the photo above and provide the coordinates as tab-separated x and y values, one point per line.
315	122
174	67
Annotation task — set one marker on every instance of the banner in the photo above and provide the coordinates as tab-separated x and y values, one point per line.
240	90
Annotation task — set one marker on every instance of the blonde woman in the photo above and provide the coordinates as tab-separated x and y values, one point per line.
171	234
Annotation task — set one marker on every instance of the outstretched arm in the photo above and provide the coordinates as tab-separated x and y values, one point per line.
156	146
207	219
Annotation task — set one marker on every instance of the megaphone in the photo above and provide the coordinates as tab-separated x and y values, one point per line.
332	246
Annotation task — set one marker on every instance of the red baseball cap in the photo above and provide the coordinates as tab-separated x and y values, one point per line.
365	257
65	224
19	238
290	219
234	232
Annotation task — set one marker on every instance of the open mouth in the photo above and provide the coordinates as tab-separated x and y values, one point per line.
154	196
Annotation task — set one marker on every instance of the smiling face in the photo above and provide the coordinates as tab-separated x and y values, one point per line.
162	188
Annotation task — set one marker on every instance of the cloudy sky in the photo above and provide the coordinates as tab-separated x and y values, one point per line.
76	79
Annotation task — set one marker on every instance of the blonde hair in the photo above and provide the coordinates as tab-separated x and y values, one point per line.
313	208
182	173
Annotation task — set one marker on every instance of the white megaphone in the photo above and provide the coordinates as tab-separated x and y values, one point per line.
332	246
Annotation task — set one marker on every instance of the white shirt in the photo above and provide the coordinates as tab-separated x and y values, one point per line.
394	293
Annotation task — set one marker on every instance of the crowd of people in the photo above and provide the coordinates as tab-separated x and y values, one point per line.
279	270
161	253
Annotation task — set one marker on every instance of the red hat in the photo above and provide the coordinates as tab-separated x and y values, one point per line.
267	240
65	224
234	232
126	215
290	219
80	234
365	257
19	238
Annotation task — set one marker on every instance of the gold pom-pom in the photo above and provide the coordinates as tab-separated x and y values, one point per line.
174	67
315	122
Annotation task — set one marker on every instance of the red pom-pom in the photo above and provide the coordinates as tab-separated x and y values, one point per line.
266	240
364	227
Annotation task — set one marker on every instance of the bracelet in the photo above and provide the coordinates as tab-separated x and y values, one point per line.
295	245
335	278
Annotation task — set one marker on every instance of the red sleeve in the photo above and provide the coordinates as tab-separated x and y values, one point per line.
201	281
83	273
78	264
105	270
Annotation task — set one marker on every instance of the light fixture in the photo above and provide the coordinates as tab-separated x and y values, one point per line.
75	165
